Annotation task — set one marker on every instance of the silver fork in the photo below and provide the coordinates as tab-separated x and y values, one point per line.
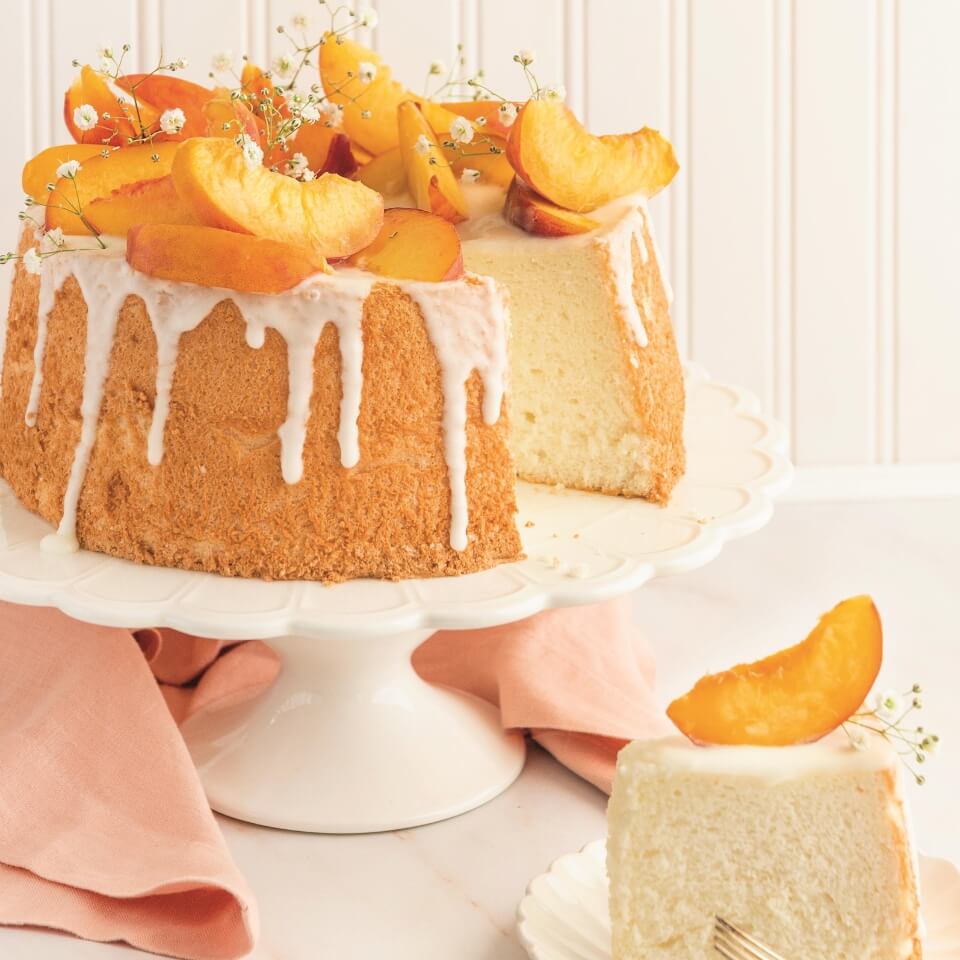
732	943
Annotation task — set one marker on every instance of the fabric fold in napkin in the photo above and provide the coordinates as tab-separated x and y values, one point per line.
104	828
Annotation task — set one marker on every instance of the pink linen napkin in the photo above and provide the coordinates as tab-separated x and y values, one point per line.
104	829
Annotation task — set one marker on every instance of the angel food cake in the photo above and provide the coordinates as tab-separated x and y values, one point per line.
223	353
803	845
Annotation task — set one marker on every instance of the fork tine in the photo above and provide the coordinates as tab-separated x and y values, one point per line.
757	949
731	948
722	950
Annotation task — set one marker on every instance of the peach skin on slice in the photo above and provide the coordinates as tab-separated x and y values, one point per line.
164	92
228	118
553	153
101	176
430	177
532	213
329	216
327	150
412	245
42	169
795	696
149	201
118	119
386	174
218	258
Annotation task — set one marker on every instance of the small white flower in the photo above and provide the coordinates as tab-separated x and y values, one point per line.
309	113
930	745
367	71
172	121
365	114
368	18
858	741
469	175
31	261
437	68
423	145
556	92
525	56
295	99
252	153
296	165
332	113
181	63
105	52
461	130
282	65
300	21
69	169
55	236
222	61
507	112
307	176
889	705
85	117
106	66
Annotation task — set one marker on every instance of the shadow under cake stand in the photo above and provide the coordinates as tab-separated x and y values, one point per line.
349	739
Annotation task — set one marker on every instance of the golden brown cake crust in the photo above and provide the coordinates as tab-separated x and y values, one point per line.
217	502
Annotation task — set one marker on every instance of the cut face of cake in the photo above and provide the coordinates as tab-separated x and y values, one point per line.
804	847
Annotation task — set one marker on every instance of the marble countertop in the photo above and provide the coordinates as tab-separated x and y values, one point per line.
450	890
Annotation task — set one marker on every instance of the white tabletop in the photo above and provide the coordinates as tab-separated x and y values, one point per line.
451	889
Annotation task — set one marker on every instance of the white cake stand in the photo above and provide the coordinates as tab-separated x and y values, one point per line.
349	739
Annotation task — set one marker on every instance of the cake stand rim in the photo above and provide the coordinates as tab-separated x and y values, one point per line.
299	619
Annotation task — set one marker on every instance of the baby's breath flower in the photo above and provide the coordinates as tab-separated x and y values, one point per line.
295	99
106	65
54	236
930	745
310	113
889	705
85	117
252	153
858	740
282	65
366	114
525	57
461	130
181	63
332	113
172	121
507	113
296	165
222	61
307	176
556	92
367	71
368	18
470	175
32	262
105	52
437	68
300	21
69	169
422	145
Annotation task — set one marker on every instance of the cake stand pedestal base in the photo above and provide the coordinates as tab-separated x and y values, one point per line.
349	739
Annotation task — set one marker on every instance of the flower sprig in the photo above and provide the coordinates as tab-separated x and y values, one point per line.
889	719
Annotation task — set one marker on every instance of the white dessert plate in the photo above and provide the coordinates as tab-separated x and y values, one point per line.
564	913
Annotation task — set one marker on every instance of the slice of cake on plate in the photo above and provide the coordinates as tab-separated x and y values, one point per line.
805	846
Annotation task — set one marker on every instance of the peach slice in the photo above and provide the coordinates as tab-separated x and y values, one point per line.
329	216
795	696
412	245
228	118
254	81
494	168
552	151
339	64
42	169
101	176
386	174
150	201
431	179
487	110
167	93
118	120
327	150
218	258
532	213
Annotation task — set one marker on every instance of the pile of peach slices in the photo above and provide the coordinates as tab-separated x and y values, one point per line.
195	206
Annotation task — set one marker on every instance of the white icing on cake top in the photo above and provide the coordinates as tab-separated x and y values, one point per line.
465	319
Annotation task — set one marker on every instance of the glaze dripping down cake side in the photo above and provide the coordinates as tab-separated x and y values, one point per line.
348	428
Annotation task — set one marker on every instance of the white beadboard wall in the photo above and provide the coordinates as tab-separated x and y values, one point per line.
811	236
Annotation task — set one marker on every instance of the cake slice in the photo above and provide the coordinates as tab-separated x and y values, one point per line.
804	847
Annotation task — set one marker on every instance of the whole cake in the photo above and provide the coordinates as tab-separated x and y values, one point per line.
223	353
802	845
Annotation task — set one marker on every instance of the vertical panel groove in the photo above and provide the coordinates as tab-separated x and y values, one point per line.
574	59
893	372
788	365
681	200
29	40
873	177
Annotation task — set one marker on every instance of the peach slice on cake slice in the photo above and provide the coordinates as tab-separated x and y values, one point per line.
146	201
486	110
327	150
228	118
530	212
412	245
101	176
430	177
329	216
494	168
553	153
219	258
164	92
118	119
795	696
386	174
42	169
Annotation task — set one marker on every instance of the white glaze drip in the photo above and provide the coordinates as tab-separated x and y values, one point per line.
465	319
667	288
55	272
619	246
468	334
